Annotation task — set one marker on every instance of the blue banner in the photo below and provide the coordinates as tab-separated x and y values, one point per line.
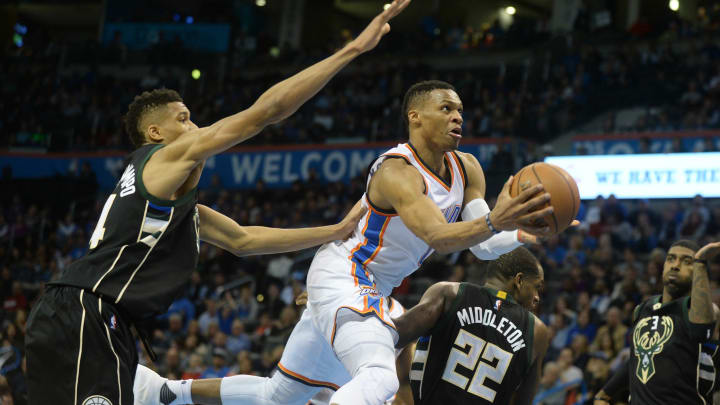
654	143
198	37
240	168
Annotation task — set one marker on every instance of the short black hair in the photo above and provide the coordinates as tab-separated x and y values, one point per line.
686	243
418	90
143	104
508	265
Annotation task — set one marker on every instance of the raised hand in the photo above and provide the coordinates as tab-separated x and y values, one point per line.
301	299
518	212
528	238
708	251
378	27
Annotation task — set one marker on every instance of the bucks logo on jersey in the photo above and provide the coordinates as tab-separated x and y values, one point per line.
650	336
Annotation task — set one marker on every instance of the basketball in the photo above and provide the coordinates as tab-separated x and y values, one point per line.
564	195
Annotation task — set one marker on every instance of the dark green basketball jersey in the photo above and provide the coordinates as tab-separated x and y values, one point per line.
668	364
143	249
478	353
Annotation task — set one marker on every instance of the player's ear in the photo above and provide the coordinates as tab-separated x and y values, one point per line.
413	117
153	134
518	280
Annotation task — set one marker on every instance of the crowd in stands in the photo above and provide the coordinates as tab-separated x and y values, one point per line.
569	81
238	312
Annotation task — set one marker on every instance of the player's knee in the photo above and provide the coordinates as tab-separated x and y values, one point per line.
383	379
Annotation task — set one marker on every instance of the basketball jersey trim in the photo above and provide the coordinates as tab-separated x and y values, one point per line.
132	276
461	165
531	336
374	208
432	174
368	311
304	380
365	252
392	212
155	200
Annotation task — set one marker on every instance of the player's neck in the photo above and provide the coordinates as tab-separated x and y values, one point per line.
667	297
431	156
498	284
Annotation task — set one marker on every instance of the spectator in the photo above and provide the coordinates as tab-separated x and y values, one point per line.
218	369
209	316
551	390
582	327
243	364
238	341
569	373
610	337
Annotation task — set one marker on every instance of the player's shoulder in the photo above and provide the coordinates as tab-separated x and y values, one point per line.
397	171
541	331
467	159
444	291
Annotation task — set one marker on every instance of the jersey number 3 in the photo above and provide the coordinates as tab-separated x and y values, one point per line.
469	357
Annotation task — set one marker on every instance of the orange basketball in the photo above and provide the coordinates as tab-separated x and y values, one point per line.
564	195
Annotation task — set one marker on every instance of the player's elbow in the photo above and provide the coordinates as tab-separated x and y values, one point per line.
440	245
243	245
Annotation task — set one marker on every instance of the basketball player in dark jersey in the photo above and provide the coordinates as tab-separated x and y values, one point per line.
80	349
673	359
479	344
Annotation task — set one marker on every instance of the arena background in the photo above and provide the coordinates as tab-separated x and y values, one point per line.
539	79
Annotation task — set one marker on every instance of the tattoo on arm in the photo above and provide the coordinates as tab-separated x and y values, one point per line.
701	309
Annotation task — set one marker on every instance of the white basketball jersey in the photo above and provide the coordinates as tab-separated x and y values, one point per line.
382	249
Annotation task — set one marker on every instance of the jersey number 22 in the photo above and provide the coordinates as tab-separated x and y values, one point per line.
476	347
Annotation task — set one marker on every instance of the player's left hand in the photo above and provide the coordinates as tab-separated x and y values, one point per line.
530	239
708	251
378	27
348	224
301	299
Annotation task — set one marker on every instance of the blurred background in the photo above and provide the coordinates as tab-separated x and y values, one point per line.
588	83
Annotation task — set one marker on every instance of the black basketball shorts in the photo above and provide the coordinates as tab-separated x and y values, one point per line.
79	351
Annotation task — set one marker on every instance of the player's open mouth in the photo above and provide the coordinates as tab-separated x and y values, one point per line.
456	132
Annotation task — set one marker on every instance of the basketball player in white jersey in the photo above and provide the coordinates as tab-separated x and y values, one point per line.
146	379
415	194
402	363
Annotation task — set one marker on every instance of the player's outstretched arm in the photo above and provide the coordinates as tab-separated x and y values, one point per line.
223	232
701	309
169	168
528	388
418	320
400	186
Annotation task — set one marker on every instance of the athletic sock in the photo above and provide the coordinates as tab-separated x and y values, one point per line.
176	392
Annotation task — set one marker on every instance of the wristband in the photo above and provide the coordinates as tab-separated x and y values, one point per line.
490	225
704	262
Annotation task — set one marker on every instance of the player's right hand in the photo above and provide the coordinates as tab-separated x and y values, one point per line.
378	27
520	212
600	402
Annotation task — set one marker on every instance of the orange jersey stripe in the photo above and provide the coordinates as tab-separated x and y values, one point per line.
442	183
459	167
359	312
308	380
359	245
